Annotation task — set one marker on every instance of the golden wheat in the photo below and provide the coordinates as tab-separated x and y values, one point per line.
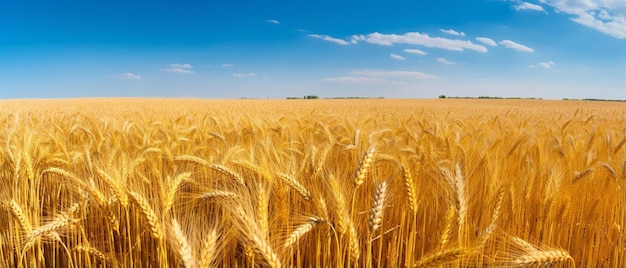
333	183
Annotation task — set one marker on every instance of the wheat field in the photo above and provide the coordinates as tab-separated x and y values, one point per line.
304	183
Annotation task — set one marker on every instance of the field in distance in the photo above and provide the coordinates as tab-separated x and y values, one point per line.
334	183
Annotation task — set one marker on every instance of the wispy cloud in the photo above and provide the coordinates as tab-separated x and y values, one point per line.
131	76
518	47
180	68
396	57
452	32
486	41
179	65
415	38
273	21
227	65
330	39
415	51
179	71
605	16
521	5
546	65
244	74
355	80
444	61
385	73
373	76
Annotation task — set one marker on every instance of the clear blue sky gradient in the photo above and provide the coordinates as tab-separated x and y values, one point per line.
257	49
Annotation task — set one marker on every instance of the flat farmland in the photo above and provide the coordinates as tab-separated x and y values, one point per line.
334	183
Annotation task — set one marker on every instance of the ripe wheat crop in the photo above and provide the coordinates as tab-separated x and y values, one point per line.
333	183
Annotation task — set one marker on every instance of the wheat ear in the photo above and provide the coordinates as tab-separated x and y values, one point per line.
291	181
156	229
92	251
410	188
440	257
354	245
18	213
209	248
447	231
217	193
364	166
301	230
539	258
173	188
183	247
49	229
376	213
580	175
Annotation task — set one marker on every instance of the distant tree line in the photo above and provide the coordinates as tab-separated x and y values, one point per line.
313	97
486	97
596	100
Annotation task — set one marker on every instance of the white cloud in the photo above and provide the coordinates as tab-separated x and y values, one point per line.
444	61
227	65
273	21
516	46
396	57
183	66
131	76
398	74
179	71
330	39
244	74
415	51
528	6
486	41
546	65
452	32
355	79
415	38
606	16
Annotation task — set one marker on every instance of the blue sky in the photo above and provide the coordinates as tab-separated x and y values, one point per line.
258	49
